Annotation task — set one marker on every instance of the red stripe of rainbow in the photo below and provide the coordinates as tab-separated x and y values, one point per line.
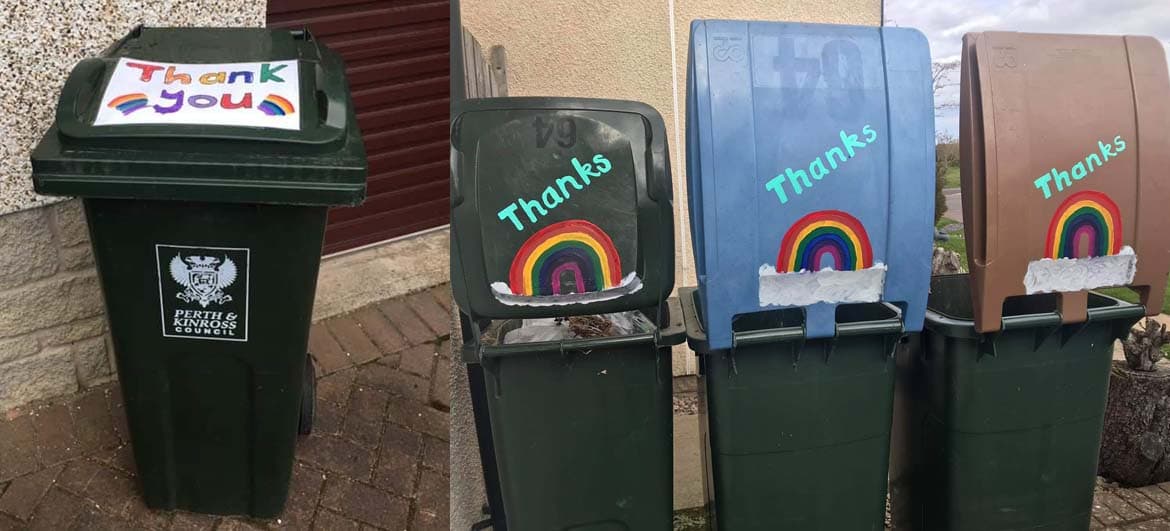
825	232
574	246
1090	217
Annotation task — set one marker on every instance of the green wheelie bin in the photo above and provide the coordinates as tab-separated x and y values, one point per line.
1002	430
562	222
796	431
207	159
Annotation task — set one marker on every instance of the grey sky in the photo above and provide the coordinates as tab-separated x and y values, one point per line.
945	21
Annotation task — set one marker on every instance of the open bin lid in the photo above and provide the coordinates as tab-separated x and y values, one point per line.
1065	141
809	147
244	115
560	206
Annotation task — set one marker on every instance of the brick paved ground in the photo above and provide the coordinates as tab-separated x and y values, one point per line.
377	458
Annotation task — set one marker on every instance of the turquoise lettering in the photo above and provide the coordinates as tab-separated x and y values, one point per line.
1106	151
870	134
815	166
776	184
556	199
1042	184
568	179
509	213
1061	179
850	142
554	195
584	171
1090	159
244	74
796	178
1082	168
530	208
835	156
602	163
267	73
834	151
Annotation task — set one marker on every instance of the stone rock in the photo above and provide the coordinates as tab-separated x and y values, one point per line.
75	331
42	376
14	348
93	364
945	262
60	300
69	218
76	257
1135	441
26	248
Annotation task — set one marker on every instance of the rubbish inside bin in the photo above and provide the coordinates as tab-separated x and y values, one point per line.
576	327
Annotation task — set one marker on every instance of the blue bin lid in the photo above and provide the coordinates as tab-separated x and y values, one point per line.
809	147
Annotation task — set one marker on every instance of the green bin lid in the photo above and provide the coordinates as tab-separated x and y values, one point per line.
560	206
242	115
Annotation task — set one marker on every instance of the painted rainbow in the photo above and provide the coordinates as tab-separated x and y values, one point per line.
128	103
1086	224
275	105
825	239
576	248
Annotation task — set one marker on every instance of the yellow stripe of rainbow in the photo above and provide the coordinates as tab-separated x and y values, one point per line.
854	241
1069	210
284	104
125	98
607	273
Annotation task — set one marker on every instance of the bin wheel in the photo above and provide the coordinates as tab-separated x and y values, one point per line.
308	397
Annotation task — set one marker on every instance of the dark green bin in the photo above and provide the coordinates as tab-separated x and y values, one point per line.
207	240
1002	430
796	432
581	428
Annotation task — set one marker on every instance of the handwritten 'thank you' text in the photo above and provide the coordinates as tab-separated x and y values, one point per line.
798	180
557	193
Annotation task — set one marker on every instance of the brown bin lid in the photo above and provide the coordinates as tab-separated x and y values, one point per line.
1065	143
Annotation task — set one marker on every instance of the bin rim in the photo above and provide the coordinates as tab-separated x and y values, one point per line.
673	333
697	334
951	326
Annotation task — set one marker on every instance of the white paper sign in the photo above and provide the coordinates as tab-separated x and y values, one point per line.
240	94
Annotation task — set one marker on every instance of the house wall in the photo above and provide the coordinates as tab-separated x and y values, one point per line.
53	337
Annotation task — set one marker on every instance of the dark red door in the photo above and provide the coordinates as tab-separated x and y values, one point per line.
396	57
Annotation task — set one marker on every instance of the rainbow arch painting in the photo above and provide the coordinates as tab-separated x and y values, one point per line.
128	103
825	239
1087	221
274	105
574	247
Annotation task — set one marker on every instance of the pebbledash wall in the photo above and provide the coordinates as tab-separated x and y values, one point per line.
53	337
633	49
53	332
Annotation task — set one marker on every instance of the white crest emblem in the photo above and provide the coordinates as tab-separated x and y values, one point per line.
203	278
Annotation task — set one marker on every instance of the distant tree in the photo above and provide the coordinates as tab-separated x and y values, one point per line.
946	154
940	78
